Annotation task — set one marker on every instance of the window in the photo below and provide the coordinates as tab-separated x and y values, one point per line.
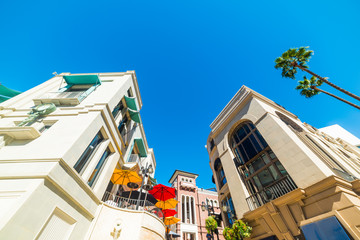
247	142
228	210
130	93
258	165
122	125
212	144
220	173
99	167
81	163
117	109
188	209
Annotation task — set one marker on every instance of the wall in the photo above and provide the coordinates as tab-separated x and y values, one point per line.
137	225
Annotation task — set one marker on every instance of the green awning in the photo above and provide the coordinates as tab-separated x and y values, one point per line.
131	103
82	79
7	93
141	146
134	115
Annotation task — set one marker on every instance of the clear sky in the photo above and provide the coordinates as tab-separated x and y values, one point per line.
190	58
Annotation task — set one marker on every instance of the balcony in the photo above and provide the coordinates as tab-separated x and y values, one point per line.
117	218
271	192
61	98
126	203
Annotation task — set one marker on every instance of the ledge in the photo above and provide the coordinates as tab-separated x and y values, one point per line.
20	133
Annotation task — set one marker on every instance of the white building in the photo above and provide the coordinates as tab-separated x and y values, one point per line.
337	131
55	171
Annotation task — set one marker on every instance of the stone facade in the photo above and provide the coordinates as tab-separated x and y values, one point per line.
278	173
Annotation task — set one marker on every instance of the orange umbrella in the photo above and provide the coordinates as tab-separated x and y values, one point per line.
171	203
123	177
171	220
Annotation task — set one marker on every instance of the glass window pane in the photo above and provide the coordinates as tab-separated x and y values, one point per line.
281	168
262	140
98	167
80	164
266	158
258	164
246	128
257	182
272	155
245	157
255	143
224	181
237	140
274	173
241	133
251	169
265	177
238	155
251	125
249	148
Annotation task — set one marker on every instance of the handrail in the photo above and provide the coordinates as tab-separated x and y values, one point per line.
127	203
271	192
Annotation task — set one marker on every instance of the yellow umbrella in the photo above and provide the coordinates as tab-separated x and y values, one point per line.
171	220
170	203
123	177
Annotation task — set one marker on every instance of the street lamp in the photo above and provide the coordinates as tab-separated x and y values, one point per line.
144	172
210	208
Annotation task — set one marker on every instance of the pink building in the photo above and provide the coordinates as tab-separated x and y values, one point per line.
192	207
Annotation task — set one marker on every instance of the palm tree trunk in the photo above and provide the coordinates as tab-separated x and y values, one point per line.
327	82
334	96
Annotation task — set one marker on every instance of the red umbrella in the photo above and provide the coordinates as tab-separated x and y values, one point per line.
169	212
162	192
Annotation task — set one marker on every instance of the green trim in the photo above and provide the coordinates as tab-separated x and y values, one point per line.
141	146
7	93
131	102
134	115
82	79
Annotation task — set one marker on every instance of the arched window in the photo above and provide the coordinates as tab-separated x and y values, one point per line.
220	173
265	177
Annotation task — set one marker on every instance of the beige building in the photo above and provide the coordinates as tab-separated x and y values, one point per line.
287	179
55	169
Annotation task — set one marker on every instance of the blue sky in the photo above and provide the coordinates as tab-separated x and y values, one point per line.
190	58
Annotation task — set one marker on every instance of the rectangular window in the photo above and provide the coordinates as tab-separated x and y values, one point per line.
99	167
117	109
80	164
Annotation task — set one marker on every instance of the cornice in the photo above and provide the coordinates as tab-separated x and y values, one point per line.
243	96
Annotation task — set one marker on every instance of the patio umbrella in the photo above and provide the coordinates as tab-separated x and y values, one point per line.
171	220
162	192
123	177
169	212
170	203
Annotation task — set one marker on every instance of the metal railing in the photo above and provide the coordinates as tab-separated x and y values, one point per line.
126	203
271	192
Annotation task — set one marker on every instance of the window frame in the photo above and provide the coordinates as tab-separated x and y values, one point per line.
91	154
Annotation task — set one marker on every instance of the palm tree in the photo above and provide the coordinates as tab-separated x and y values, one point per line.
298	58
309	88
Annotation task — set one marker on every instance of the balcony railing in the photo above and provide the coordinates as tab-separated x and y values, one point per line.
61	98
126	203
271	192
